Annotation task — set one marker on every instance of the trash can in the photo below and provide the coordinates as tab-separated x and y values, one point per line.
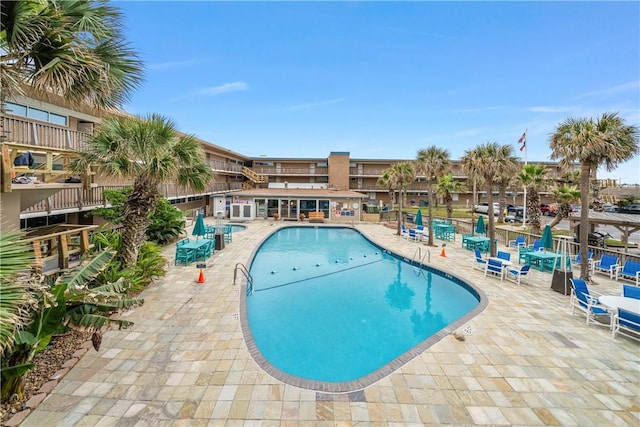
219	241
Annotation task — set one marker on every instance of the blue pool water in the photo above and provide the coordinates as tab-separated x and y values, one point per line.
329	305
237	227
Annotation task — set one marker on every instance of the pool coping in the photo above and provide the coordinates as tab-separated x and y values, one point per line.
380	373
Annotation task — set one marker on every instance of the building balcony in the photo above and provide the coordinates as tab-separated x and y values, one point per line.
29	132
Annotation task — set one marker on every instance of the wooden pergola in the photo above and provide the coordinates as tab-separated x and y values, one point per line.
626	223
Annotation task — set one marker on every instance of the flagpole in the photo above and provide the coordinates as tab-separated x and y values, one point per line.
524	210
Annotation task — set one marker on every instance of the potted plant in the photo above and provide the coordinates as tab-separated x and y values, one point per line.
276	215
301	216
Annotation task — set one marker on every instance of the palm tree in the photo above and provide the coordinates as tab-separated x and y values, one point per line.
74	49
533	178
489	158
506	169
445	187
17	294
149	151
432	162
607	141
470	164
564	195
397	178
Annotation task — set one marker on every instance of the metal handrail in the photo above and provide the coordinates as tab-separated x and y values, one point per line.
418	252
240	266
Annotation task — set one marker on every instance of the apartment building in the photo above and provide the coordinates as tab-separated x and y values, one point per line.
51	130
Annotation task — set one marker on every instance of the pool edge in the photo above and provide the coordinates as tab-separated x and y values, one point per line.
380	373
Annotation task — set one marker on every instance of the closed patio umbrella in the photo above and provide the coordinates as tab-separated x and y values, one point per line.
418	220
547	238
480	228
199	229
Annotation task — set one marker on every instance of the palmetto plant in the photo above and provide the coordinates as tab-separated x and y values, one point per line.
607	141
72	302
150	151
17	291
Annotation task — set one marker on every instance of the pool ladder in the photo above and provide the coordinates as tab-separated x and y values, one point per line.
418	254
241	268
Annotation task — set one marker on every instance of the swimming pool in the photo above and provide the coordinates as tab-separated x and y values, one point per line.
332	311
237	227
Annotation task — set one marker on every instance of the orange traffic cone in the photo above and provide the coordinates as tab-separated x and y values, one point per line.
201	277
442	253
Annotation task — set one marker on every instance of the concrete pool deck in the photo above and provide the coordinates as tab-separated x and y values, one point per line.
525	361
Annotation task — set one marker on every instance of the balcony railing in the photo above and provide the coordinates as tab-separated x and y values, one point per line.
80	199
269	170
24	131
58	247
222	166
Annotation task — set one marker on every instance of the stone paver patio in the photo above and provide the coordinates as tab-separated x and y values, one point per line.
525	361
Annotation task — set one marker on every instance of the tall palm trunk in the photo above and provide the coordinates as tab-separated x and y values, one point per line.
430	239
585	175
140	203
491	225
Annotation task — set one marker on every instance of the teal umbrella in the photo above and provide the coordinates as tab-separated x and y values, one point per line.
480	228
418	220
547	238
199	229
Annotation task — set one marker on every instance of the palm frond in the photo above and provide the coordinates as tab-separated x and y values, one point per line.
87	271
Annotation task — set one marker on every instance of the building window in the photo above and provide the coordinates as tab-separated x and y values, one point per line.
35	113
322	164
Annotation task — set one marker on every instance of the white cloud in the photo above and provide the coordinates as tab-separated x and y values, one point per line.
551	109
626	87
174	64
225	88
313	104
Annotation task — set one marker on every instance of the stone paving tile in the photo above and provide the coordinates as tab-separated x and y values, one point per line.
525	360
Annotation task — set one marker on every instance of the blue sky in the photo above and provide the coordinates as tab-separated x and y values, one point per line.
383	79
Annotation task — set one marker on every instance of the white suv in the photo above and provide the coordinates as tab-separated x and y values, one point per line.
484	208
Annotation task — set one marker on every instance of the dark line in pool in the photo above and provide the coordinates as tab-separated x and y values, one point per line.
315	277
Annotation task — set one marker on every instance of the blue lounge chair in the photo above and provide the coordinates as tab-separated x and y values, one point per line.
479	262
519	242
577	260
587	302
494	266
607	264
537	245
630	270
504	255
516	274
626	323
413	235
629	291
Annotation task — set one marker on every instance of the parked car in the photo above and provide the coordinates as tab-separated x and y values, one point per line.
610	207
545	209
633	208
515	214
484	208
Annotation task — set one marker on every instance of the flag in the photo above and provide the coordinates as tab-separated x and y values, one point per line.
523	140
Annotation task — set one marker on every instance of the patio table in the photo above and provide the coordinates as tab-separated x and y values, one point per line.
480	242
542	260
616	301
505	265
